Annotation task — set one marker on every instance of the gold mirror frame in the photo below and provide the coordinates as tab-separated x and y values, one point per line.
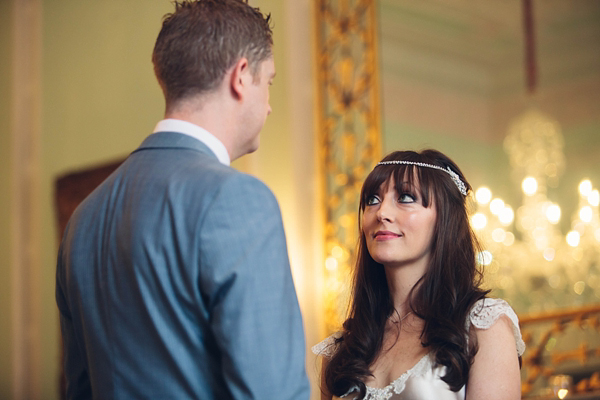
349	134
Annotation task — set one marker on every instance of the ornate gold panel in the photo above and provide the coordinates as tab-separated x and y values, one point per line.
349	133
562	359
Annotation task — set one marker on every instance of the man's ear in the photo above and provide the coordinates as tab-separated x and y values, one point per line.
240	77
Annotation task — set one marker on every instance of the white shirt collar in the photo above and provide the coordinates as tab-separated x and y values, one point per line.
187	128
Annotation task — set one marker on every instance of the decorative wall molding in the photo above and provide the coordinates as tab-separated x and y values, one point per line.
349	136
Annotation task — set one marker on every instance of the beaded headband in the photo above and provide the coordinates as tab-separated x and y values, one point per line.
453	175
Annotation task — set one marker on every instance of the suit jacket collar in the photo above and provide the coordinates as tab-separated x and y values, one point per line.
175	140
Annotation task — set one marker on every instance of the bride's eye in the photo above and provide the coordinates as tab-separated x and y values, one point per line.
406	198
372	200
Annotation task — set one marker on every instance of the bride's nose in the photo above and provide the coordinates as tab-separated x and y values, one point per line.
384	213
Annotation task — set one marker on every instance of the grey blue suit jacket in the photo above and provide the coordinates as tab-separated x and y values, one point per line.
173	282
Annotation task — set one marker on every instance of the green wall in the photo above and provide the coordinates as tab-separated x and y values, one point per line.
100	100
100	96
5	277
275	138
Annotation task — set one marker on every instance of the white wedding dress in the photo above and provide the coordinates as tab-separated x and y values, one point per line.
423	381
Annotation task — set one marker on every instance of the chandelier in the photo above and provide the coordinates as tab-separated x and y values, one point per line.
529	259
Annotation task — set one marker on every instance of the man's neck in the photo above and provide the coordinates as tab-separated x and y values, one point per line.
209	116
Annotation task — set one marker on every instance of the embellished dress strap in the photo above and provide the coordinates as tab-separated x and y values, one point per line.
486	312
327	347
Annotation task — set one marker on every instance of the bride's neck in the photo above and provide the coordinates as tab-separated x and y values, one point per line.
400	283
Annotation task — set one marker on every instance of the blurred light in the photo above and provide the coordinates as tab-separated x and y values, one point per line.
510	239
341	179
585	187
527	223
550	344
538	233
549	254
331	264
484	258
579	287
499	235
541	156
496	206
562	393
346	220
585	214
479	221
337	252
554	281
594	198
551	169
529	186
541	243
483	195
506	216
597	234
506	282
553	213
573	238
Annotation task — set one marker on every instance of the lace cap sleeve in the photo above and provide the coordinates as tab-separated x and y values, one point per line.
486	312
327	347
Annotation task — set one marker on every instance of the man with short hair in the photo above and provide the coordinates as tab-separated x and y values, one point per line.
173	280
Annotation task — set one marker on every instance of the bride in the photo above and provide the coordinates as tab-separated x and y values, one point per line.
419	326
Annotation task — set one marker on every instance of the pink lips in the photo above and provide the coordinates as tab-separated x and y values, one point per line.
385	235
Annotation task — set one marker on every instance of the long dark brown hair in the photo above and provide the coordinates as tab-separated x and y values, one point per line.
444	295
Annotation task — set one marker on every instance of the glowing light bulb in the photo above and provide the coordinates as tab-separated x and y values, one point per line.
549	254
484	258
594	198
496	206
510	239
483	195
529	186
479	221
585	187
506	216
585	214
499	235
553	213
573	238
